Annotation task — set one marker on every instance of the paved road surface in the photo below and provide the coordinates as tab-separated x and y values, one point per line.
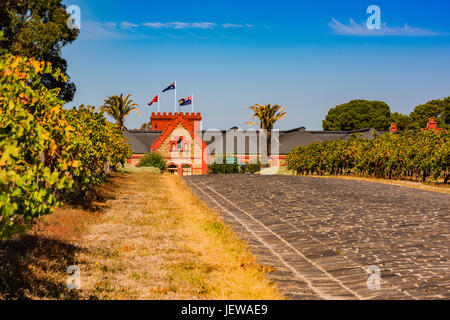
321	235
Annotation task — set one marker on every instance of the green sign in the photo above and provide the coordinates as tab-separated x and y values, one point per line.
231	160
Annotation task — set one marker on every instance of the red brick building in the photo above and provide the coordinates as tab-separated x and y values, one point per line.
177	137
188	149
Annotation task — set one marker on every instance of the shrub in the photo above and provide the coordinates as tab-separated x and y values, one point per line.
153	159
94	145
215	168
253	167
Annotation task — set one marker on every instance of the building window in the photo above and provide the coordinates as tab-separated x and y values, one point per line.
176	144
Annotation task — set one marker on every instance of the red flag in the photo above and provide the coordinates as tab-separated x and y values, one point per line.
155	99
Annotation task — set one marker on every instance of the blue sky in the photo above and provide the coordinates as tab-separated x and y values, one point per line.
308	56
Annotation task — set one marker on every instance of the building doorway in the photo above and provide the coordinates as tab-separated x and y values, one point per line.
186	170
173	169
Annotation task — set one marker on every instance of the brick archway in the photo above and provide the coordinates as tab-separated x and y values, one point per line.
173	164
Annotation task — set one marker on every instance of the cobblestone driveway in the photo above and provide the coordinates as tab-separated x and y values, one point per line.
320	235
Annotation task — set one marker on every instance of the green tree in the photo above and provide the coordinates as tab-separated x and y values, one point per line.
267	116
146	126
358	114
119	108
38	28
401	120
437	109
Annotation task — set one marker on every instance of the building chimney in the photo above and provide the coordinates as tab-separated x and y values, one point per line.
393	127
432	124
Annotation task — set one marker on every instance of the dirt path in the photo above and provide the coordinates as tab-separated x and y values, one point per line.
321	235
157	241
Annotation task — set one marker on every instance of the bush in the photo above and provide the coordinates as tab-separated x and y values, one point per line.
46	151
153	159
95	145
34	137
215	168
410	154
253	167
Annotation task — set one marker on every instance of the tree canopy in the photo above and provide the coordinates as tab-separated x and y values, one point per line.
267	115
38	28
400	120
358	114
119	108
437	109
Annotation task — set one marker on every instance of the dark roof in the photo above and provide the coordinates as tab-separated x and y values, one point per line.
219	137
288	139
141	140
293	138
333	135
299	137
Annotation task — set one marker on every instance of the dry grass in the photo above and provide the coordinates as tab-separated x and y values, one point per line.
229	270
148	238
33	266
443	188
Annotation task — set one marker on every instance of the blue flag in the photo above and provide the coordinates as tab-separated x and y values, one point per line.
185	101
171	87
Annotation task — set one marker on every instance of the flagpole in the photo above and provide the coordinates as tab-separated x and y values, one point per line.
175	96
192	104
158	102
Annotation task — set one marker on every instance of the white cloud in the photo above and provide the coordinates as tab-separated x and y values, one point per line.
234	25
355	29
99	30
110	24
180	25
156	25
126	29
111	30
203	25
125	25
231	25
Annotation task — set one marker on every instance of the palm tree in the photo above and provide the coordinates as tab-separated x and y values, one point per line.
267	116
119	107
146	126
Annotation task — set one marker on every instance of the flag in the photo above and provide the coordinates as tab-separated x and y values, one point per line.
155	99
171	87
185	101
